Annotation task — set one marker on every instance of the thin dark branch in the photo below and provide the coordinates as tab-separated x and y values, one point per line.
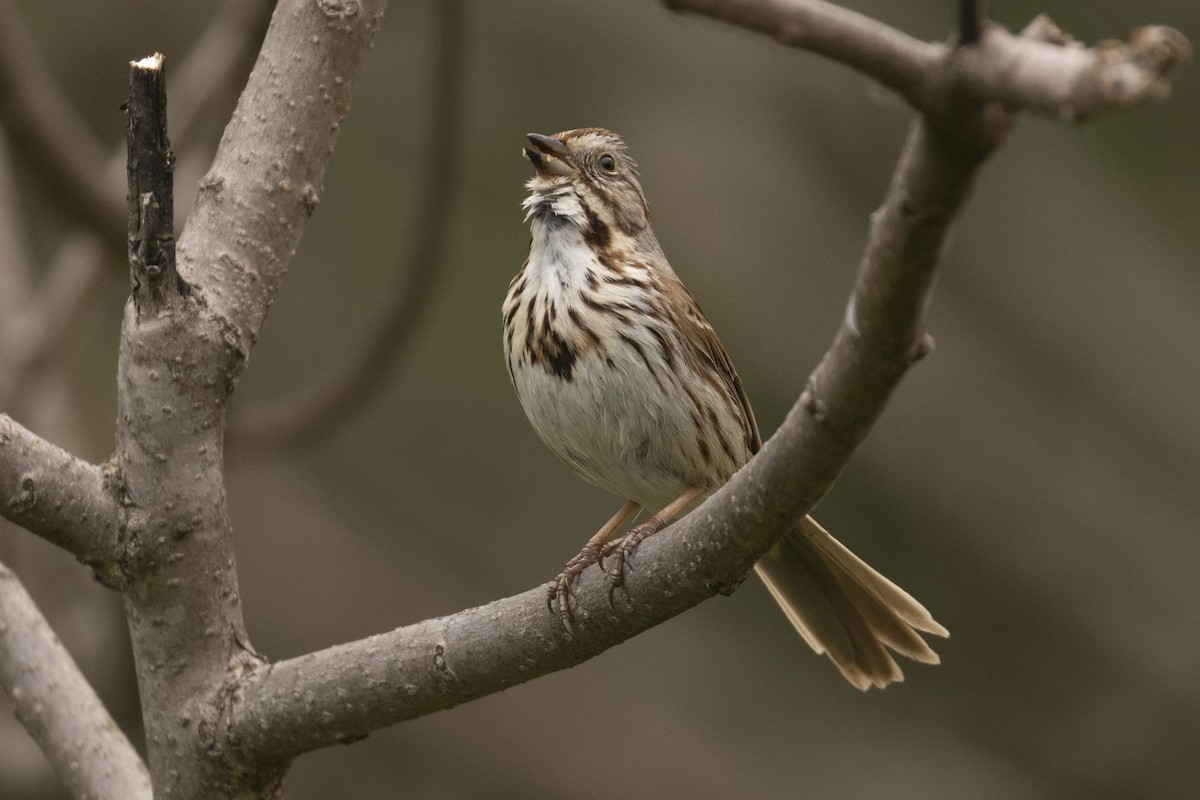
47	127
321	409
151	187
972	16
58	707
61	498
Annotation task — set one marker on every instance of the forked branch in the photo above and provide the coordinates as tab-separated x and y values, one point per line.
1037	72
299	704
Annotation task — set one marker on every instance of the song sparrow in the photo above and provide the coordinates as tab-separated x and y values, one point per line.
624	379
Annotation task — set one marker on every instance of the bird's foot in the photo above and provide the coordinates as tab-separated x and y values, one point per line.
560	590
621	550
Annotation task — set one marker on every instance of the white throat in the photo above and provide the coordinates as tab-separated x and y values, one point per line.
559	201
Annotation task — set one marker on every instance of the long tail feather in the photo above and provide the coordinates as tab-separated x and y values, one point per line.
843	607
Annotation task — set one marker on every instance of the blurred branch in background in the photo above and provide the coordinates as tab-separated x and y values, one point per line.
59	708
209	78
29	336
15	258
319	409
46	127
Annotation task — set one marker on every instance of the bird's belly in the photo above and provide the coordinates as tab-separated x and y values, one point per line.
615	426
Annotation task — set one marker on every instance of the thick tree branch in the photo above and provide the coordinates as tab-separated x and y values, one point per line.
891	57
183	345
1021	71
59	708
346	691
321	409
61	498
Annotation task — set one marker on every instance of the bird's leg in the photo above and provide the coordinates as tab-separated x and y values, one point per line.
621	549
559	590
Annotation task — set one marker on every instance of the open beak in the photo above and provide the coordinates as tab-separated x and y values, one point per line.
548	155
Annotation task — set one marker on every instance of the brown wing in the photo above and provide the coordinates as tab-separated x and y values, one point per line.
705	346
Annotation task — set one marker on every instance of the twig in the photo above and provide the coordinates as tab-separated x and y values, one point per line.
205	83
972	16
151	188
57	496
46	125
321	409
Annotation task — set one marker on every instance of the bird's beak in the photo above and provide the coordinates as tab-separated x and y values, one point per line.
548	155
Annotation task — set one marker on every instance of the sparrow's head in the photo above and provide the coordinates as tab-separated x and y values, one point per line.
587	177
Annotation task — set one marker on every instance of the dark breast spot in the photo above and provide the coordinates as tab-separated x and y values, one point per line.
596	233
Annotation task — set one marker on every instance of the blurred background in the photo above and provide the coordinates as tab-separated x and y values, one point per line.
1036	483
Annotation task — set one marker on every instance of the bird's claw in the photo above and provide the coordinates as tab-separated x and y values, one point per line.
561	591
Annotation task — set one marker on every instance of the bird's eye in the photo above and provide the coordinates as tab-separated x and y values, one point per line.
608	163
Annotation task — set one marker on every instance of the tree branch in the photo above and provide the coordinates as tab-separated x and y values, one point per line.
58	707
44	122
61	498
182	349
972	17
1021	71
345	691
29	336
15	261
301	703
265	180
319	410
891	57
151	198
216	66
